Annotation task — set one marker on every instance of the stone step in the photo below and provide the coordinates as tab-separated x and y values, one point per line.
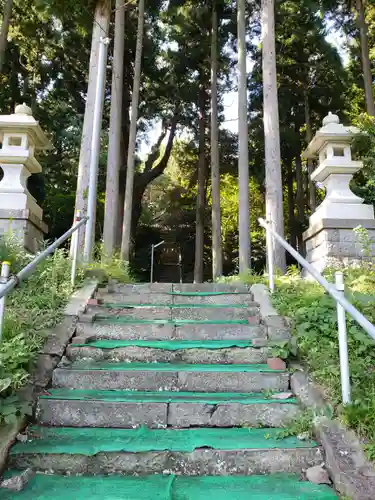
177	298
188	452
163	487
170	377
138	288
210	287
170	351
176	312
129	409
113	329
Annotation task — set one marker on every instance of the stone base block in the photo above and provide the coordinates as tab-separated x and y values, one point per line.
24	226
333	242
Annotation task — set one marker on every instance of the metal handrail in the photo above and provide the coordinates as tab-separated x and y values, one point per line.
152	259
336	292
7	284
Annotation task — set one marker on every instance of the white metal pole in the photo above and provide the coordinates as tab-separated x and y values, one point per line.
152	264
75	245
5	271
343	342
269	243
243	151
95	150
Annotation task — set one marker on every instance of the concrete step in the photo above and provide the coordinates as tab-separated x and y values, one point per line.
129	409
172	351
112	329
176	312
163	487
190	452
210	287
170	377
177	298
114	287
139	288
136	298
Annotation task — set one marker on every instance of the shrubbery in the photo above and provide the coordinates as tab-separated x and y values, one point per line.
314	317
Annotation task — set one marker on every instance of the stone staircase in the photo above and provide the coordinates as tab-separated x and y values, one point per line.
166	394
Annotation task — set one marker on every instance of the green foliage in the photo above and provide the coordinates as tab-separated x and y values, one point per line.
302	427
13	407
31	309
249	278
315	328
113	268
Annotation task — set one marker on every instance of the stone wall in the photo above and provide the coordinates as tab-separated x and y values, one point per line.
334	243
24	226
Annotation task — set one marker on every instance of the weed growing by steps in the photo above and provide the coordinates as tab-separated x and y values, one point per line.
111	267
315	327
30	310
300	427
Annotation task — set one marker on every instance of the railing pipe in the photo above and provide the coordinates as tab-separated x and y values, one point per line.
76	239
152	259
5	271
27	270
331	289
343	342
269	243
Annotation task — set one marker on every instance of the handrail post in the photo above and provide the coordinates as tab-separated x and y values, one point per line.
269	243
5	271
75	245
152	259
152	264
343	342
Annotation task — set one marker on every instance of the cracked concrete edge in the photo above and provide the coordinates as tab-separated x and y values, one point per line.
278	327
79	299
58	337
352	474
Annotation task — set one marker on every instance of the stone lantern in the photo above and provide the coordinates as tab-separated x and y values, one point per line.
20	215
330	239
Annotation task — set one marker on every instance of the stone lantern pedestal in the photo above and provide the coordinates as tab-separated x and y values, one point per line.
330	239
20	215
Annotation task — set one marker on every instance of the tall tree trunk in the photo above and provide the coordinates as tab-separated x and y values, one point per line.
274	189
114	146
217	254
126	226
4	31
125	128
201	195
243	153
365	56
310	164
100	30
291	216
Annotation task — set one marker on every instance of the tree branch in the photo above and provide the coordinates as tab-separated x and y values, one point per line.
152	173
155	150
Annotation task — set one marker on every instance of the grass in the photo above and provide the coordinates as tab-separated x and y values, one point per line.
315	328
31	310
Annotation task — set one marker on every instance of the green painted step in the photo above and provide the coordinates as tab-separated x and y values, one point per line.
119	305
205	294
163	397
275	486
170	367
102	318
168	345
91	441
